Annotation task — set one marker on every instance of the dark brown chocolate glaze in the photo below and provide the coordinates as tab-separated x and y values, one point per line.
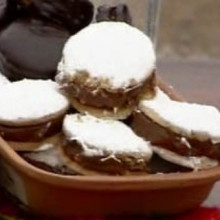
118	12
124	164
34	133
71	14
101	98
31	46
29	49
164	137
8	12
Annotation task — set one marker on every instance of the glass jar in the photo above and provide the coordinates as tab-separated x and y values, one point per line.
143	14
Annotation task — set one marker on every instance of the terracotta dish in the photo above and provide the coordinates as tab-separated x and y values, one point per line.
57	195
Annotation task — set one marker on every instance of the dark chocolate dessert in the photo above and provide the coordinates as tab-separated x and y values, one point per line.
31	49
31	44
71	14
8	11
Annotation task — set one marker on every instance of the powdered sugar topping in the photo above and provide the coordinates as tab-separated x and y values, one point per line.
27	100
3	80
192	120
97	136
113	52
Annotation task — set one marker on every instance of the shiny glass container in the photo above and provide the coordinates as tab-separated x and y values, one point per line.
143	14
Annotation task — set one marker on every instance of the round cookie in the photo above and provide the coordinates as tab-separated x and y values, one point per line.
105	146
30	49
35	111
31	43
108	67
32	102
189	129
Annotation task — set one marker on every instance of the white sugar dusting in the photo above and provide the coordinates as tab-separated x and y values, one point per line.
192	120
3	80
30	100
112	51
98	136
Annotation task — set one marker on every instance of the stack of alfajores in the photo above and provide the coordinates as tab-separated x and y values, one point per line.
105	112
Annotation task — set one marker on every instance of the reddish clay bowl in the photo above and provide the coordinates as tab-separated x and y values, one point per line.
57	195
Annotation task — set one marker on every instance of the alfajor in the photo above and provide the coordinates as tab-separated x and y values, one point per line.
106	68
31	111
103	145
188	129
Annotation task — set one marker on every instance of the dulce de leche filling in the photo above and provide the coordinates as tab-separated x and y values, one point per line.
107	164
33	133
163	137
95	96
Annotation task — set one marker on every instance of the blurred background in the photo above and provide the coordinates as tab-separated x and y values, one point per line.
189	48
190	29
187	28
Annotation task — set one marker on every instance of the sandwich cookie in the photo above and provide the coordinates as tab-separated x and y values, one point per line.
94	145
31	49
106	68
187	129
31	112
32	42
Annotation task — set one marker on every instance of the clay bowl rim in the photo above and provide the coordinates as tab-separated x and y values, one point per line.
136	183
